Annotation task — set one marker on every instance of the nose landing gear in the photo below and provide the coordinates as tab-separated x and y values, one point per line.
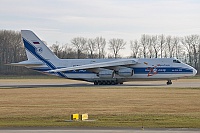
169	82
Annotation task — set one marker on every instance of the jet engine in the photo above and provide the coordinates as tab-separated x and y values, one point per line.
125	72
106	74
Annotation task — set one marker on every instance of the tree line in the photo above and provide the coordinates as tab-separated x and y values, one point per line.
11	50
81	48
186	48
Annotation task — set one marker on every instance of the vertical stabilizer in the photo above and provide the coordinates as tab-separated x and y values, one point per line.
35	48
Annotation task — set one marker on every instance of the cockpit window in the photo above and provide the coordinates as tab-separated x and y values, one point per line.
176	61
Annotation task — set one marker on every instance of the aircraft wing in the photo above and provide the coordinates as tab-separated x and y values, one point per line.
108	65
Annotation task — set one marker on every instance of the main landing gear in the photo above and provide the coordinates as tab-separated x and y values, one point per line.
106	82
169	82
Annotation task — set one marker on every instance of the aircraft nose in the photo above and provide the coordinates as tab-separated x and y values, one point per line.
194	72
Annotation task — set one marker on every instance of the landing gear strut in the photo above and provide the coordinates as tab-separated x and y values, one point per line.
169	82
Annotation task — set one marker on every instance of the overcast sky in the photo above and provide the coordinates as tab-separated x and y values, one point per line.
61	20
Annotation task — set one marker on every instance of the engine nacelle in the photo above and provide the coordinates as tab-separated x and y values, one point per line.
106	74
125	72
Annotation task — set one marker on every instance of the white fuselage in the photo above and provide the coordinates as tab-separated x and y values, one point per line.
145	69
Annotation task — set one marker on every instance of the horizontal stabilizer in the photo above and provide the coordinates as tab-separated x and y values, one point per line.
27	63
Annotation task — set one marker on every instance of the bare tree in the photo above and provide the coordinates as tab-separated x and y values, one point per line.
176	44
80	44
155	45
170	45
115	45
63	51
57	49
68	52
186	41
144	43
161	39
135	46
150	47
91	47
195	43
101	43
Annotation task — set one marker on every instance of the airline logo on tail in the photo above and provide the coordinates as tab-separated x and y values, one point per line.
39	50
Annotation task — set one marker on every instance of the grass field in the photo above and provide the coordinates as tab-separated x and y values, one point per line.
109	106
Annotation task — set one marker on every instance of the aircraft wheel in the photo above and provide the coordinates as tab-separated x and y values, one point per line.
95	82
99	83
108	82
103	82
169	82
113	82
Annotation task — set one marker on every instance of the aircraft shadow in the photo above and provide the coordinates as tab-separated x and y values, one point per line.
75	85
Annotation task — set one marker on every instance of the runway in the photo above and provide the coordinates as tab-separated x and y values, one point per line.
63	130
35	83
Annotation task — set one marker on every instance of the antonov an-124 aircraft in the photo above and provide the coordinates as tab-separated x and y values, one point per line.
100	71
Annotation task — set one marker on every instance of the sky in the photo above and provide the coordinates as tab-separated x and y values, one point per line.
62	20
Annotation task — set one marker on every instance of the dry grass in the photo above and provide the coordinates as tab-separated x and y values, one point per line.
95	101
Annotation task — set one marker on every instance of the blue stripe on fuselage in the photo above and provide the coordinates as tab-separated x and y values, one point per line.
141	70
32	50
163	70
